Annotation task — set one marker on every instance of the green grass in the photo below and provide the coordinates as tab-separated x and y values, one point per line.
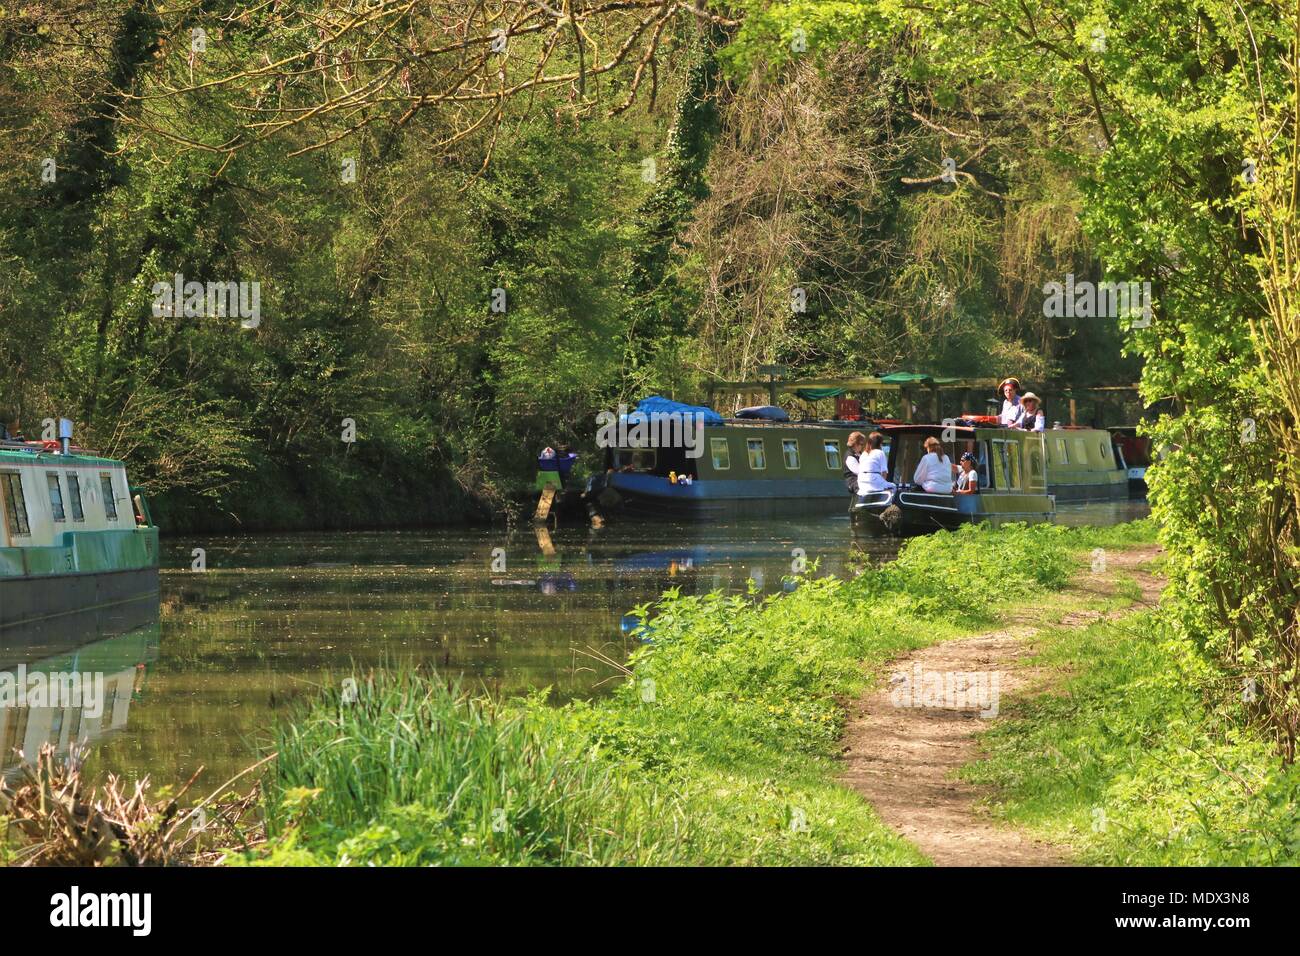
1127	761
719	748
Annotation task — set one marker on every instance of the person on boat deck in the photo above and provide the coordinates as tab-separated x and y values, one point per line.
934	471
968	482
856	444
1031	418
1011	409
873	474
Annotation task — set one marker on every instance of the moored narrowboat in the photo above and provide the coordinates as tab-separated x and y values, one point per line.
1134	453
743	466
76	540
1083	464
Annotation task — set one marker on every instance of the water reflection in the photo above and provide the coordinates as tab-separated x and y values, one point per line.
71	698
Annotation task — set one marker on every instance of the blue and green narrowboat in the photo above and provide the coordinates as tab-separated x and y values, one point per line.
77	544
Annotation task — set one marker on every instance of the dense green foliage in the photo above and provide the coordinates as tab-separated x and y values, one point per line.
716	749
127	157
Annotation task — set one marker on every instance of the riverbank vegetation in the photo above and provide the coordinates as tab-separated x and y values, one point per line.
1140	756
718	747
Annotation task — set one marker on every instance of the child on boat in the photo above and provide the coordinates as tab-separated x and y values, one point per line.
856	443
968	482
934	471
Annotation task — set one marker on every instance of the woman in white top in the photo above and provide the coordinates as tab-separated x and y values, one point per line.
934	472
968	482
1011	409
874	473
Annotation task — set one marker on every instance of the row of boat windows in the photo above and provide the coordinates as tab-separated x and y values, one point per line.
15	503
1062	454
1006	457
720	453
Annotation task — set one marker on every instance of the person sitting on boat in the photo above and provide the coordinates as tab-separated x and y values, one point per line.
1031	418
934	471
1011	408
873	475
857	443
968	482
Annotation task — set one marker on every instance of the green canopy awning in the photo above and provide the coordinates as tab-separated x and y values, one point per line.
814	394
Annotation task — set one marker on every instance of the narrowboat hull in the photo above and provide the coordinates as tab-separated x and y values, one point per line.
651	495
905	511
49	611
78	552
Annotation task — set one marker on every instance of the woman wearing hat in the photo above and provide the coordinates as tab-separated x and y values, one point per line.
968	482
1011	410
1031	417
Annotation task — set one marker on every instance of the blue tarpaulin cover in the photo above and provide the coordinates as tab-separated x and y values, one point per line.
656	405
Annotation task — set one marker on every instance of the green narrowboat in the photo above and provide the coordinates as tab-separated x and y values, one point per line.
1083	465
77	545
1013	476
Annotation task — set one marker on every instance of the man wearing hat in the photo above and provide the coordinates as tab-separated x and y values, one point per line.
1011	410
1031	414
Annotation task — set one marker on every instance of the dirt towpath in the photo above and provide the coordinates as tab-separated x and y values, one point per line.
904	759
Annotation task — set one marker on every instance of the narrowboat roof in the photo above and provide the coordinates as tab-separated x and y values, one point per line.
808	423
971	431
17	452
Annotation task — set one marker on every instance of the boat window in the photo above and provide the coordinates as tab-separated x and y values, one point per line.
1006	464
56	495
757	457
110	500
1036	479
74	497
1080	451
15	505
1062	452
1105	450
790	449
983	466
832	455
721	454
635	459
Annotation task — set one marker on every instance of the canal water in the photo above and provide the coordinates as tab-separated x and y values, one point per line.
272	617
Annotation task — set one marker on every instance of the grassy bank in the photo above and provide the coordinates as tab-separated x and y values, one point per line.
718	748
1132	760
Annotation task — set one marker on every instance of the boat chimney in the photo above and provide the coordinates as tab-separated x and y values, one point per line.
65	434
